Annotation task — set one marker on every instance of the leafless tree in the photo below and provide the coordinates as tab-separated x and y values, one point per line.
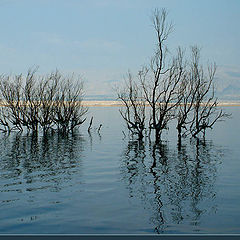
205	110
134	110
4	122
152	89
33	102
68	108
47	90
11	96
160	84
187	92
173	88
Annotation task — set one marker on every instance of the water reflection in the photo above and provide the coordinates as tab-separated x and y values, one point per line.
32	163
175	184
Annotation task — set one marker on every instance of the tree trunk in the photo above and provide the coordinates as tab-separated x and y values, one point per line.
157	135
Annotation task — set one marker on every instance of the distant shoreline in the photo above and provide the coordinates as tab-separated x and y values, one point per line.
115	103
110	103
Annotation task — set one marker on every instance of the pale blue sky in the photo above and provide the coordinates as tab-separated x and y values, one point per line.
102	39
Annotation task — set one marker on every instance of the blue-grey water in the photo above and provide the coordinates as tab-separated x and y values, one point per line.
109	183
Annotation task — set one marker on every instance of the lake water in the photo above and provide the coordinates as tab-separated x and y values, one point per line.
107	183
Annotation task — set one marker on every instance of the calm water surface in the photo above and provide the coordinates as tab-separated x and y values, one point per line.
107	183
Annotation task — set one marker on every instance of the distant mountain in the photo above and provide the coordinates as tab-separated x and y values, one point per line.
100	97
231	92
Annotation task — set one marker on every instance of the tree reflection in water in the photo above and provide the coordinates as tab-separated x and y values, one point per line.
36	163
175	184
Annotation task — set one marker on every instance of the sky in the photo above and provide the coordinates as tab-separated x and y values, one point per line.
102	39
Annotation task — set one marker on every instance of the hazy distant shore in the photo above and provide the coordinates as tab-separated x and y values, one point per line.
119	103
111	103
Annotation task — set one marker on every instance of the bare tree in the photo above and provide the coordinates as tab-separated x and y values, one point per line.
158	69
68	108
12	101
205	110
47	90
173	88
4	122
33	102
187	92
134	111
161	85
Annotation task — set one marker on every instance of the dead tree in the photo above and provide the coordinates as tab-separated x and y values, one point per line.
68	108
4	122
160	84
205	110
187	92
134	110
47	90
41	102
90	125
160	88
11	102
31	102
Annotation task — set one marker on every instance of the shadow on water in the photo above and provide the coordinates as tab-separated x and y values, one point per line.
31	163
175	185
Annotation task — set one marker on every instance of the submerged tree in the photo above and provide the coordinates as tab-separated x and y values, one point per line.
158	82
205	107
172	87
157	87
186	95
162	92
134	111
11	96
43	102
68	109
47	89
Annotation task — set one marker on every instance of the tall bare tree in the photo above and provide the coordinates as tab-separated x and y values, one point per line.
161	84
173	88
158	86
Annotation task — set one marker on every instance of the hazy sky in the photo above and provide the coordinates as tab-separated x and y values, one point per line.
102	39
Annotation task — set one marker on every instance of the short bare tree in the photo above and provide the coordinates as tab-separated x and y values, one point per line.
47	90
45	102
31	102
134	110
187	91
205	107
68	108
11	95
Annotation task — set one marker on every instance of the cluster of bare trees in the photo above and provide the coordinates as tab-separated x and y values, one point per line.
50	102
173	87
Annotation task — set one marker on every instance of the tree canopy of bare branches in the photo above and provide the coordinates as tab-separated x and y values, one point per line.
134	111
205	110
173	88
48	102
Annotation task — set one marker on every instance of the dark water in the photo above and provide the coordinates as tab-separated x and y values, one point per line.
106	183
